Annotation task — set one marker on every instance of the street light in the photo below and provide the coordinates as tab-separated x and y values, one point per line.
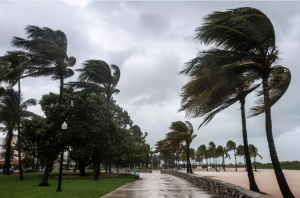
64	126
152	158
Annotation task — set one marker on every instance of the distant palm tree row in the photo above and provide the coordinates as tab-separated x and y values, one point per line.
242	57
220	153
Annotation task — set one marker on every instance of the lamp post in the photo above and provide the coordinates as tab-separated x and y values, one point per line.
64	126
152	158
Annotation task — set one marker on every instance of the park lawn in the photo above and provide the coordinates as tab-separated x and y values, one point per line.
11	186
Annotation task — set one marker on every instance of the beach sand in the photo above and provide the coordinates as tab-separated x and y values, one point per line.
265	179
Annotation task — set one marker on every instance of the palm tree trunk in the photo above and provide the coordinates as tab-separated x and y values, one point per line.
8	150
255	163
283	185
191	169
235	159
187	158
253	185
19	130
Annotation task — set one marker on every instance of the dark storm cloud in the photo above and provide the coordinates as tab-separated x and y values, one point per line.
150	42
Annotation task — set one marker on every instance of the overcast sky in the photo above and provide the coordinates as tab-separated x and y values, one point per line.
150	42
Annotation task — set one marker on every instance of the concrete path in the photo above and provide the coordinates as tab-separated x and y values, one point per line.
156	185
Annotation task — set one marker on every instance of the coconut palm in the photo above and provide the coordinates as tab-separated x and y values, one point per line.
219	154
231	145
9	115
202	151
254	153
183	132
243	42
212	151
16	62
48	53
98	77
240	151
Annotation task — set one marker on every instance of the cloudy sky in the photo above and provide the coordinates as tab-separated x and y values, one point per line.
150	42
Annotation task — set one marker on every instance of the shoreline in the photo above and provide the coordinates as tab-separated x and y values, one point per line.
265	179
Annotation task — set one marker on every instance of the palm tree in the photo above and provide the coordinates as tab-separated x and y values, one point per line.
183	132
48	53
243	41
219	154
98	77
240	151
212	151
254	153
231	145
16	62
225	155
204	153
9	115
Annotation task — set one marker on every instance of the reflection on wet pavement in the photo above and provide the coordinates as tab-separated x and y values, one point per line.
156	185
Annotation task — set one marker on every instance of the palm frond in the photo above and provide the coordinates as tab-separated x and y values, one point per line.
278	83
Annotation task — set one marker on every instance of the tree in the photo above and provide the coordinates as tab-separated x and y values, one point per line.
254	153
16	63
183	132
9	115
232	146
240	151
202	151
244	50
98	77
48	50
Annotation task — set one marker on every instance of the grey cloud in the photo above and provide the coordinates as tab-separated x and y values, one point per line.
150	42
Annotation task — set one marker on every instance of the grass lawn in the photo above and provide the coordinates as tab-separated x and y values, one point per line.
11	186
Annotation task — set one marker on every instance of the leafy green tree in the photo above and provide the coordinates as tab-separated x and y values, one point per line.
244	51
182	132
254	153
48	50
35	141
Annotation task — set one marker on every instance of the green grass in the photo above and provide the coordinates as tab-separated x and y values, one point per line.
11	186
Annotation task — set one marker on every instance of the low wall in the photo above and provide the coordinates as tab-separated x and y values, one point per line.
143	170
218	187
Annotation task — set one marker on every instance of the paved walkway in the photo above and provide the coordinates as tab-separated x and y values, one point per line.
156	185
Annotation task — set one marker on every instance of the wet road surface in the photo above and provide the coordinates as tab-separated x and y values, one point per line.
156	185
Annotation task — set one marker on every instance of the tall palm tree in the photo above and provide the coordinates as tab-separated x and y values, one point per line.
48	53
204	153
219	154
16	62
183	132
254	153
225	155
240	151
9	115
231	145
98	77
212	150
243	42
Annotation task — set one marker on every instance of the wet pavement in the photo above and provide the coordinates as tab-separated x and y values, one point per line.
156	185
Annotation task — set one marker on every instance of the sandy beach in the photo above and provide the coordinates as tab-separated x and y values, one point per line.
265	179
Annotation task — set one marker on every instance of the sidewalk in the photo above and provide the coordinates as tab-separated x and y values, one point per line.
156	185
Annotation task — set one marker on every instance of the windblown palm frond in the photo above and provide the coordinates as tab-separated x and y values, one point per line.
98	77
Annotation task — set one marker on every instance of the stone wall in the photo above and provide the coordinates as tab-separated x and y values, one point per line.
143	170
218	187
